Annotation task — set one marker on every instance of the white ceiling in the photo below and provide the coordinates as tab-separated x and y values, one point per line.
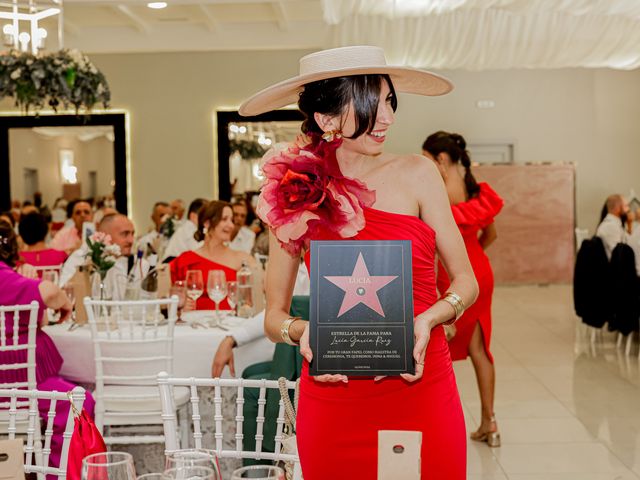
108	26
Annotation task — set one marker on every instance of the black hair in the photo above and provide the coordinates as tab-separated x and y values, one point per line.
33	228
455	146
196	205
8	245
333	96
72	204
9	215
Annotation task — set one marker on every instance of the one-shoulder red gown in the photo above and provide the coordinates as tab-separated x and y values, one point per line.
337	424
471	217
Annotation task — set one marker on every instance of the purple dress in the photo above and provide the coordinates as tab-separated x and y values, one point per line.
18	290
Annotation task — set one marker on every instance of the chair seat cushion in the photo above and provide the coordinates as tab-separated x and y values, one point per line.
127	398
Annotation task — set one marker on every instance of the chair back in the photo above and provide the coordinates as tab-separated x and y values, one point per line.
18	346
26	422
40	269
167	383
132	342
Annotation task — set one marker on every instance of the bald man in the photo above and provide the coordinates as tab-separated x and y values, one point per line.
122	233
612	228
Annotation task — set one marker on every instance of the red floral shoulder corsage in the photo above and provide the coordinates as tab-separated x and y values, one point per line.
304	193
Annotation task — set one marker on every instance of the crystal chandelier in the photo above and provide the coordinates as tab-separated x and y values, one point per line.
23	32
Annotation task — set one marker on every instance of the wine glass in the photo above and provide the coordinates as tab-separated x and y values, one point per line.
179	289
154	476
51	275
194	284
108	465
194	457
191	473
261	472
232	295
217	290
70	292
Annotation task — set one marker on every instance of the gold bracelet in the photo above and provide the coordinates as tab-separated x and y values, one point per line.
284	331
456	302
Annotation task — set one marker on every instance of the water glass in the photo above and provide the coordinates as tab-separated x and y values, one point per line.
232	295
194	284
258	472
70	292
108	466
194	457
191	473
217	291
154	476
179	289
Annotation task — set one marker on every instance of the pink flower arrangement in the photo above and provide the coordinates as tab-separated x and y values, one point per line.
102	252
305	195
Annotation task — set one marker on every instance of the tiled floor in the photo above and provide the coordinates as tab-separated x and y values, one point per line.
567	409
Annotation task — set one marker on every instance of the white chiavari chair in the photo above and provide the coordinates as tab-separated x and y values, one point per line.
167	384
20	418
132	342
49	268
11	346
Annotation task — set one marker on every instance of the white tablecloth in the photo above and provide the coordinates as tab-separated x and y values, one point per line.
193	351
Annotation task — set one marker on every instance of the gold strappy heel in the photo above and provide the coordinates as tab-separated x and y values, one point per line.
492	438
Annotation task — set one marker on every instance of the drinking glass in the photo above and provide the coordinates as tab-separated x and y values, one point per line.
70	292
194	457
191	473
217	290
179	289
108	466
232	295
154	476
261	472
194	284
51	275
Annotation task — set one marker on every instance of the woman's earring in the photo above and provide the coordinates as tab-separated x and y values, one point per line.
332	135
204	230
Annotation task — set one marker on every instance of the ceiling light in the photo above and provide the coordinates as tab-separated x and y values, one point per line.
157	5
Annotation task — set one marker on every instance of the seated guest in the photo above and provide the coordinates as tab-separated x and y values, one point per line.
183	239
69	237
18	290
7	217
215	224
159	213
121	231
177	209
33	229
612	227
242	237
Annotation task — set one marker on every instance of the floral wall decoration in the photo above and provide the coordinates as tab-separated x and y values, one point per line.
66	79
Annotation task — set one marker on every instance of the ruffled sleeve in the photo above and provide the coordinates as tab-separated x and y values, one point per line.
479	211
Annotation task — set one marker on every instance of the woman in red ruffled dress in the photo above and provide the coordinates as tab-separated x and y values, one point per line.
474	207
336	182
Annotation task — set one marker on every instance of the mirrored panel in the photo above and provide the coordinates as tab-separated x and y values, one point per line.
248	142
62	162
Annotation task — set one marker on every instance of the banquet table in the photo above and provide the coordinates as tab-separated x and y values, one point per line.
193	350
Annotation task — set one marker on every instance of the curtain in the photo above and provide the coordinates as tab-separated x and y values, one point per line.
492	34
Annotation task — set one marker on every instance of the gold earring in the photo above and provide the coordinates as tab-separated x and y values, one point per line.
332	135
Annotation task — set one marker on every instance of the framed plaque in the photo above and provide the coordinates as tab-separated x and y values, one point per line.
361	308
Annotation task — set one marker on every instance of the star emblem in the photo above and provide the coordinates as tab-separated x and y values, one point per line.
360	287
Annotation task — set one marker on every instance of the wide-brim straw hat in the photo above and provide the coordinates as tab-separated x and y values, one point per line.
342	62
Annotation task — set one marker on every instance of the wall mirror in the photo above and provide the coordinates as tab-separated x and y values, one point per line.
63	156
242	141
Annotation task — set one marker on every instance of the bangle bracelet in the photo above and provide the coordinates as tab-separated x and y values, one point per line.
456	302
284	331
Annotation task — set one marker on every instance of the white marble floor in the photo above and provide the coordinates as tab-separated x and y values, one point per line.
567	409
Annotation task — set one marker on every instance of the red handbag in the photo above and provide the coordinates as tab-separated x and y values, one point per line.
86	440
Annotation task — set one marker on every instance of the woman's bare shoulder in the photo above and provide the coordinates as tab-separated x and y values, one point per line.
414	168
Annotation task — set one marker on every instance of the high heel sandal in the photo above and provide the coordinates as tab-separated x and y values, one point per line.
492	438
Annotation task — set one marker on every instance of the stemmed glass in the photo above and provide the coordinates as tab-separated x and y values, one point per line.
108	465
53	277
191	473
194	284
70	292
232	295
217	290
194	457
179	289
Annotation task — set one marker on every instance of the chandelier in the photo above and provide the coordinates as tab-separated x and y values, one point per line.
23	31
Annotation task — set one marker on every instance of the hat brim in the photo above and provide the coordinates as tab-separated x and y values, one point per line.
405	80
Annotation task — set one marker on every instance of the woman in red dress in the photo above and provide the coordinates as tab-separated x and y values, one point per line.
215	224
337	183
474	207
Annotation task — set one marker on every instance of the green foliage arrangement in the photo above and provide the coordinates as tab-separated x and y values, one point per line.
66	78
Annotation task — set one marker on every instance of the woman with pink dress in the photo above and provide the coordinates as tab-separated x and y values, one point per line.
18	290
33	229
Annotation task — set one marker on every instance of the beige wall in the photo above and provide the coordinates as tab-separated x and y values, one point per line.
31	150
590	117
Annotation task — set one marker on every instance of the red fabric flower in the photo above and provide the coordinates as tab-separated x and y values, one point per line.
304	193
